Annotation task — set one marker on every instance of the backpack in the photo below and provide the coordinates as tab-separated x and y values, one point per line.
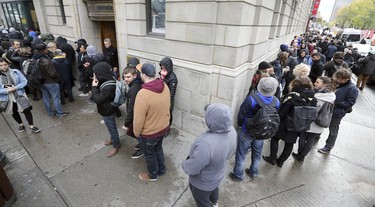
301	118
266	121
120	93
32	72
325	115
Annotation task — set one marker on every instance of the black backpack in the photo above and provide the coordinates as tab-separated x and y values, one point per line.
33	74
266	121
325	115
301	118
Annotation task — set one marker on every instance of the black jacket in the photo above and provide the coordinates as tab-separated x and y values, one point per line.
48	70
111	56
171	78
134	87
368	64
62	67
297	97
316	70
104	97
346	96
332	66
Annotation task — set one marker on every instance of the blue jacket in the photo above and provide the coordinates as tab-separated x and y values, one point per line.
249	108
346	96
20	83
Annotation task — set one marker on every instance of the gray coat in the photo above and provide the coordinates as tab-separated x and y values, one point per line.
321	98
206	164
368	64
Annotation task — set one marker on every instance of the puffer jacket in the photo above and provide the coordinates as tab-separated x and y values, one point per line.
19	82
368	64
346	96
171	78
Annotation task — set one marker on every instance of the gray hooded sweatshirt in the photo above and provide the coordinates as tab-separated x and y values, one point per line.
207	161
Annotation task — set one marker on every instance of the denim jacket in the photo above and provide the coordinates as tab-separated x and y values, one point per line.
19	81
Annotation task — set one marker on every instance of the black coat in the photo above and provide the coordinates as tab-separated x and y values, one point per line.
111	56
134	87
305	97
317	69
368	64
332	66
346	96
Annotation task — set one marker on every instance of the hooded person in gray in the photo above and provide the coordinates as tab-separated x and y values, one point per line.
207	160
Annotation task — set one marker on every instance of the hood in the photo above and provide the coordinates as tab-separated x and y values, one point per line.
156	85
37	41
218	118
167	62
91	51
99	57
103	71
60	41
328	97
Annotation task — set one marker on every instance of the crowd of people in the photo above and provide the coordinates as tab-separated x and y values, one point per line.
310	72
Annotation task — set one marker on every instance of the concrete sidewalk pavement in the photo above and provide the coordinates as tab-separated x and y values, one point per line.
66	165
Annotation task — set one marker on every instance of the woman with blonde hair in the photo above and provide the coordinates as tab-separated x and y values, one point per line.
301	70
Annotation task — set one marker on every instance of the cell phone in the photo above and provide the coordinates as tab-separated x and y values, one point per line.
8	85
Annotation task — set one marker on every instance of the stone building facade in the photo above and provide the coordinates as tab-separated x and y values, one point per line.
215	45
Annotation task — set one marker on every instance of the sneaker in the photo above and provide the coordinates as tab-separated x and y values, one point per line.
21	128
324	150
102	121
137	154
214	204
234	177
145	177
83	94
137	147
35	129
53	113
62	114
247	171
269	160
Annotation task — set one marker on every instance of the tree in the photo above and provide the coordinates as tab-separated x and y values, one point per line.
359	14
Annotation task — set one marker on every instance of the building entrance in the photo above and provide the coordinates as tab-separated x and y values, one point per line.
108	30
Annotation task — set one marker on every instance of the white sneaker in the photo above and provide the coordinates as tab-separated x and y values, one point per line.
83	94
214	204
102	121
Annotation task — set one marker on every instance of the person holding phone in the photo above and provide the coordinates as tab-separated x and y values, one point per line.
13	97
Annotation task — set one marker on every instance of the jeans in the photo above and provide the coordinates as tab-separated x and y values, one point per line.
110	122
51	90
204	198
244	141
154	155
333	132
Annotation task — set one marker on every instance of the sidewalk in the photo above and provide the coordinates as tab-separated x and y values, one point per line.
66	165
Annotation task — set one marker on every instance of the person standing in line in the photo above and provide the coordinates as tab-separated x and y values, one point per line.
63	69
133	80
169	78
207	160
346	96
103	95
324	93
13	97
50	87
368	66
265	91
151	121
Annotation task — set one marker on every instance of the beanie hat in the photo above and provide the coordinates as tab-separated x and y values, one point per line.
148	70
264	65
284	48
133	62
267	86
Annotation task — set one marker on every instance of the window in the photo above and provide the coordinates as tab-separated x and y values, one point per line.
155	10
61	3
